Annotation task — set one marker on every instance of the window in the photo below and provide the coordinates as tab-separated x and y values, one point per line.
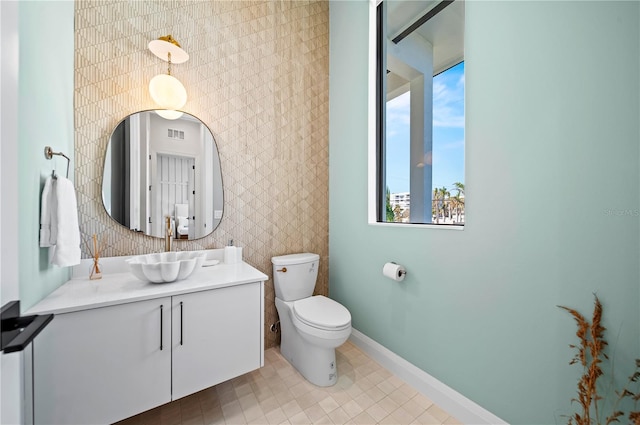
420	112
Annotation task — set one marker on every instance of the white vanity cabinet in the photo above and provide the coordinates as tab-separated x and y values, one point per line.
120	346
215	336
104	364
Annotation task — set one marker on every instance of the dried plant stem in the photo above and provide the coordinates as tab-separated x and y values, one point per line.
590	353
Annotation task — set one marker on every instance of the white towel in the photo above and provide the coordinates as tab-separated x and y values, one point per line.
45	214
64	224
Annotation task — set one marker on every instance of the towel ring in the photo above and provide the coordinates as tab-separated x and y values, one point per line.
48	153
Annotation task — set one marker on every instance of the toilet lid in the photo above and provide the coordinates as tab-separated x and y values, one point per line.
321	312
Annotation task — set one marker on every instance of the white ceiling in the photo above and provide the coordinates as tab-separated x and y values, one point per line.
445	31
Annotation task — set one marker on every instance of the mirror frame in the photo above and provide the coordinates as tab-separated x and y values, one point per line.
180	152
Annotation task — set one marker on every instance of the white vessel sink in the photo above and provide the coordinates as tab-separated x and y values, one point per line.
165	267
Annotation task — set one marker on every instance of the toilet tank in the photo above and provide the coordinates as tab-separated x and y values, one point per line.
299	279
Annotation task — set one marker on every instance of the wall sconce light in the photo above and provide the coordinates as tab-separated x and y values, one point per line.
169	114
165	89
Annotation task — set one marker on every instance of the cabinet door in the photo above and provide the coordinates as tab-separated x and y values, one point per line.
103	365
217	335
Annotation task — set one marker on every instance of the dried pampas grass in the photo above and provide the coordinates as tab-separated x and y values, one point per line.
590	355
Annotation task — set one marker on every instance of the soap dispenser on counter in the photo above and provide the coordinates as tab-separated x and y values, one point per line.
232	254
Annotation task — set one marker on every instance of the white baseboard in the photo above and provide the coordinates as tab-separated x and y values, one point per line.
454	403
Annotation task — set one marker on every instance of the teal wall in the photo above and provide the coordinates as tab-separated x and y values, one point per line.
45	118
552	202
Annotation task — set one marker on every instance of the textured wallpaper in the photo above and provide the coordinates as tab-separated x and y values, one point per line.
257	77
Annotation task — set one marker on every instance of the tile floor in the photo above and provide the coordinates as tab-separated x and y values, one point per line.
366	393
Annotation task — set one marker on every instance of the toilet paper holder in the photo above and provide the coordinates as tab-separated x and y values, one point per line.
394	271
402	272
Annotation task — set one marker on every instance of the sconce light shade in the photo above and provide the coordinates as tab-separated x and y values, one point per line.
169	114
167	91
165	47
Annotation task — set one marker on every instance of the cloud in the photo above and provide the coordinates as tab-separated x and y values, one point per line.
448	103
454	144
398	110
448	100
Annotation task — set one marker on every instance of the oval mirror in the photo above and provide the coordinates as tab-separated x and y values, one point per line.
156	168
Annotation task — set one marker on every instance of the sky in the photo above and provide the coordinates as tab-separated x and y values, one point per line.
448	134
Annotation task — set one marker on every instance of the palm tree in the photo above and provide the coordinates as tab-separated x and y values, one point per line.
459	197
406	213
444	193
457	204
459	187
397	214
388	210
446	211
439	199
436	208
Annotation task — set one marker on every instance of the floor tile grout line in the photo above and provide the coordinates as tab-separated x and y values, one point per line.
365	393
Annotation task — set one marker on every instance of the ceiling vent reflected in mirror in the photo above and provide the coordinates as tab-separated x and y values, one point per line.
175	134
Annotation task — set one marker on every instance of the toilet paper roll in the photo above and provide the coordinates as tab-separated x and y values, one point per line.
394	271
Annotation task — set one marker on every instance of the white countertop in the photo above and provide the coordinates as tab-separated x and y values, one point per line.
80	293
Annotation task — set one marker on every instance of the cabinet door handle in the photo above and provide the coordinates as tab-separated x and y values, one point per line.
161	312
181	323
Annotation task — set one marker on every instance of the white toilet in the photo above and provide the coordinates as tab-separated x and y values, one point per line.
311	326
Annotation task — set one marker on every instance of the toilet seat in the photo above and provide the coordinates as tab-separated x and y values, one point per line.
323	313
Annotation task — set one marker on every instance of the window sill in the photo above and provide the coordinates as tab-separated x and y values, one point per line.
418	225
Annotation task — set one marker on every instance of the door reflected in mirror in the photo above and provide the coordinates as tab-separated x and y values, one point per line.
156	167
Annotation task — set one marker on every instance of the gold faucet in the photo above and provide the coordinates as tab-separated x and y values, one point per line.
168	232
